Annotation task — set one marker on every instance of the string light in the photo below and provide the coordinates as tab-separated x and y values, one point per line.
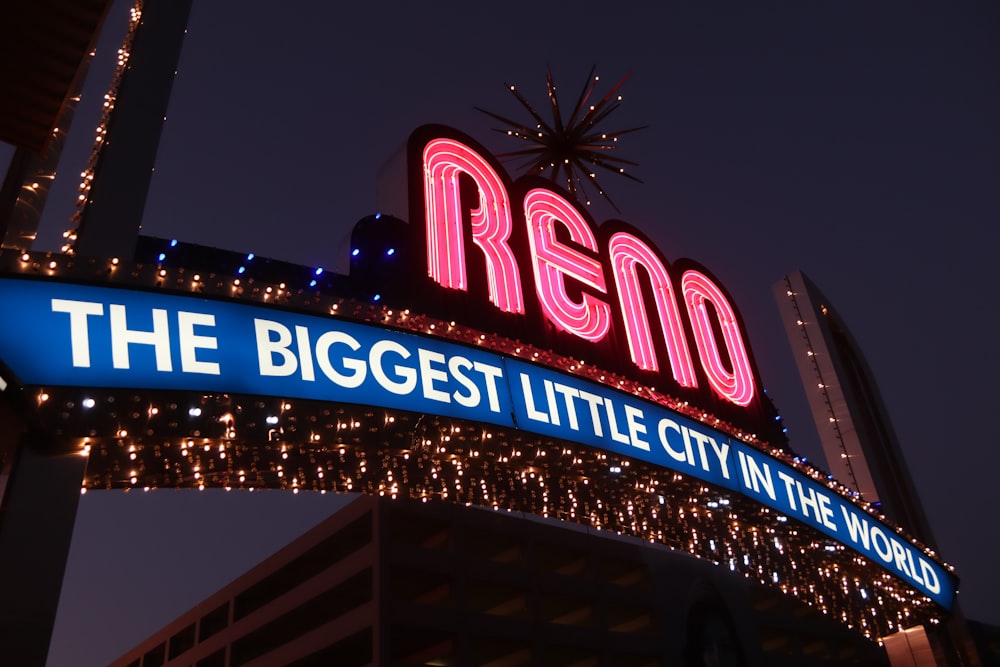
170	439
821	384
108	107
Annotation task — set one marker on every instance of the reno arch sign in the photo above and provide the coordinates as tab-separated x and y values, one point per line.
522	254
531	252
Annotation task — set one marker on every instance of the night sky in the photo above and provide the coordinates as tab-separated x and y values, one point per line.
857	141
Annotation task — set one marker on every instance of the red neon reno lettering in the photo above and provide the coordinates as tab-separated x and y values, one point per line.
736	385
626	253
444	162
569	275
553	262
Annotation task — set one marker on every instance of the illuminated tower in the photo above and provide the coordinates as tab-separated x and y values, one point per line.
862	449
858	439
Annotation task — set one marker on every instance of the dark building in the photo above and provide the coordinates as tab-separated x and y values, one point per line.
386	582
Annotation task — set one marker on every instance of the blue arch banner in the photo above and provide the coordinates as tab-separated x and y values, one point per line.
64	334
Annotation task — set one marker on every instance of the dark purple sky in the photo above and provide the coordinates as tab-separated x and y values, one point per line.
857	141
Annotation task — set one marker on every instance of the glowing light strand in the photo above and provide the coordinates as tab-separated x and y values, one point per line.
822	386
265	443
110	99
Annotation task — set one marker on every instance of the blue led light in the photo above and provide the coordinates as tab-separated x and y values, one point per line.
319	272
173	242
162	257
241	269
250	257
390	252
312	283
378	215
355	252
377	297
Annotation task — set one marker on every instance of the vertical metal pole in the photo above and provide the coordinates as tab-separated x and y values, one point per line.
36	527
112	216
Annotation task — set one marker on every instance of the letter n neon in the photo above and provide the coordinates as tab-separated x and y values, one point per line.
734	385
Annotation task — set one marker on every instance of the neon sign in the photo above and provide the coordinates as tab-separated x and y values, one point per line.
445	161
592	284
553	262
64	334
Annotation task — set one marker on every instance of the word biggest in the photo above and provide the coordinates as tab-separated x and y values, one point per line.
570	272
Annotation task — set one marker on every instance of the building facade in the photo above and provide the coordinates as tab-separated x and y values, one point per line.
386	582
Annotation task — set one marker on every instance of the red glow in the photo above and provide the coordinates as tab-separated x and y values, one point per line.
626	253
736	385
444	162
554	262
465	194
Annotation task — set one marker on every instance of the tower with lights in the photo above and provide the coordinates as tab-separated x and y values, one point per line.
859	441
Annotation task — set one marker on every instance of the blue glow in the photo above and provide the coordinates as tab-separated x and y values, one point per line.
312	283
378	215
390	252
355	252
241	269
377	297
162	257
37	329
319	272
250	257
173	242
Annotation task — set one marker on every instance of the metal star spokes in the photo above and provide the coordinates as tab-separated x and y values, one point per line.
572	150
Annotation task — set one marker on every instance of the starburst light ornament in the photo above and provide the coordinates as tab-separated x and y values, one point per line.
572	150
